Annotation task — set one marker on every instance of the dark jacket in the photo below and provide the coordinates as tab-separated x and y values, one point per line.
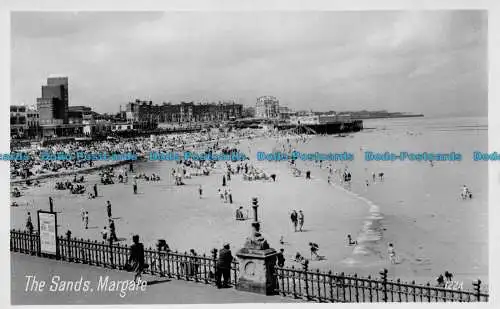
137	256
225	259
281	259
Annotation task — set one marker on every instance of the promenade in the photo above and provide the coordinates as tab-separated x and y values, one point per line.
162	291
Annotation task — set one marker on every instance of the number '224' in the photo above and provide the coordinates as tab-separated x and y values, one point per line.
454	285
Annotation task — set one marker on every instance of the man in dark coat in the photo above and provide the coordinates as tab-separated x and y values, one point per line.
112	230
136	259
223	266
95	190
281	258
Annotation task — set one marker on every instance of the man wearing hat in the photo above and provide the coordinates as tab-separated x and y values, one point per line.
281	258
223	266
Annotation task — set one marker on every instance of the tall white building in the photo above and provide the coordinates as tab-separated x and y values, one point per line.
267	107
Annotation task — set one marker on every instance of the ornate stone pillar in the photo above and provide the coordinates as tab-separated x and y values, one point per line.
257	261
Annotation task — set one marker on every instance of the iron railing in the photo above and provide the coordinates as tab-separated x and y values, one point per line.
162	263
290	281
339	287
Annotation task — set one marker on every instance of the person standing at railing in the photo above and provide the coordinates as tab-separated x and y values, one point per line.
440	281
29	223
112	230
223	267
193	264
136	259
281	258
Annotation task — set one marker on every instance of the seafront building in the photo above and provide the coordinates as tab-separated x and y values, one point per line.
145	115
24	121
18	120
53	107
267	107
53	117
53	104
285	113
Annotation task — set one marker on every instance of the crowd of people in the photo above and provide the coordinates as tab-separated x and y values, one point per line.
185	169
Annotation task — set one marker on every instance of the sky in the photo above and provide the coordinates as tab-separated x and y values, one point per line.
430	62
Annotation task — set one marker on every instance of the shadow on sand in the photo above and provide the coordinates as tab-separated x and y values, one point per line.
157	281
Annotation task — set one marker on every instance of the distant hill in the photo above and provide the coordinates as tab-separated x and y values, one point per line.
377	114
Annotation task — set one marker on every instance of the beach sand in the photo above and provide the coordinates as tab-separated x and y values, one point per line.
416	208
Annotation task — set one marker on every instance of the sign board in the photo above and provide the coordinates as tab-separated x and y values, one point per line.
47	229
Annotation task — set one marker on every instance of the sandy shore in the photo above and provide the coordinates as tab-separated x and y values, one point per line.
424	222
177	214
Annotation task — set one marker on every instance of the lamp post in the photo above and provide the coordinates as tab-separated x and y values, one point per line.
257	261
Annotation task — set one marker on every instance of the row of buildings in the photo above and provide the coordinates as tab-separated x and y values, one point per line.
53	117
185	112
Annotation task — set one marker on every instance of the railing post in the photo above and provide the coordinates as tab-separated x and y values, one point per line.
214	258
177	265
370	288
383	275
205	275
95	245
111	257
356	287
235	272
168	265
319	284
159	257
342	276
414	291
82	249
306	283
477	289
31	241
330	283
187	266
68	245
399	289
